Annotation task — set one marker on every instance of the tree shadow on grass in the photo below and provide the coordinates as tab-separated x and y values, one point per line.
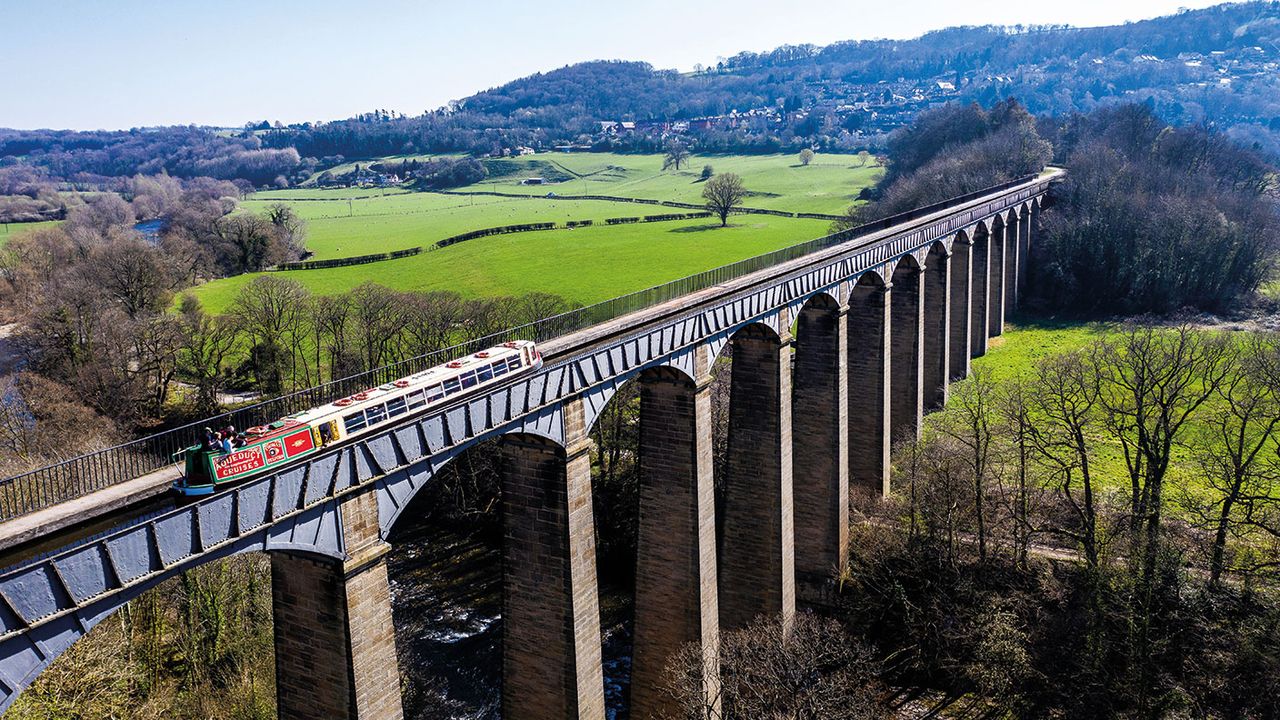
1031	320
700	228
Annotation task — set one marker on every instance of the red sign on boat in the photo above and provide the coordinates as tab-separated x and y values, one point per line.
240	461
274	451
299	442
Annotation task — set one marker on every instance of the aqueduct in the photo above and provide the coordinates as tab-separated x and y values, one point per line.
835	353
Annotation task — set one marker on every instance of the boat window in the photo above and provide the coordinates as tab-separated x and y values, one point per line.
434	393
416	399
452	386
500	368
484	373
376	414
468	379
396	406
354	422
513	362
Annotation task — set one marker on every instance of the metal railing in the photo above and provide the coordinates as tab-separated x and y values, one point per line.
79	476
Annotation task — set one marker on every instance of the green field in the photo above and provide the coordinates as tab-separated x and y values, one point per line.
338	228
343	222
583	265
12	230
827	185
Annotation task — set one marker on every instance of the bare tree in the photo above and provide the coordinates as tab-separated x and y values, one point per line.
431	320
331	322
1240	460
134	273
41	419
944	493
250	243
157	344
1063	397
969	424
814	672
677	155
377	317
485	316
274	314
806	156
208	342
1014	410
1153	381
291	229
723	193
535	306
1236	453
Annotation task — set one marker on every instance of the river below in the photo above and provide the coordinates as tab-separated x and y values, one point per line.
446	596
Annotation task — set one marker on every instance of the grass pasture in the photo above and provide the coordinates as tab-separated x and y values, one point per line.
338	228
13	230
778	182
583	265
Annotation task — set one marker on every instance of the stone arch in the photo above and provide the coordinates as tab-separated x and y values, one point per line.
936	333
980	290
680	366
397	489
868	383
915	260
961	305
998	274
29	652
906	348
828	297
756	562
759	328
820	442
871	277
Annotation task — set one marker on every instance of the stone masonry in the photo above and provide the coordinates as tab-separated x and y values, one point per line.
820	433
675	600
868	327
995	280
334	636
551	664
906	387
961	295
757	554
937	328
981	293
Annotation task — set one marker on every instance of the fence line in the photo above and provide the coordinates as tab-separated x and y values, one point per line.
640	201
75	477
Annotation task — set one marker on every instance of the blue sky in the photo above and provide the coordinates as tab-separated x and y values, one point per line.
128	63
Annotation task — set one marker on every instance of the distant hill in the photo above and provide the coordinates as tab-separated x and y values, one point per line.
1219	65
